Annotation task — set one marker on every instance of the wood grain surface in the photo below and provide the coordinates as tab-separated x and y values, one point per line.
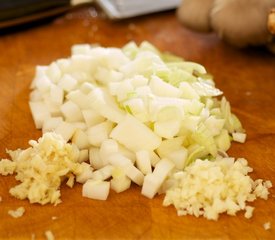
247	78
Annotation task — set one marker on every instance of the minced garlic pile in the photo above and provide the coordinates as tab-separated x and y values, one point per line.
209	188
41	168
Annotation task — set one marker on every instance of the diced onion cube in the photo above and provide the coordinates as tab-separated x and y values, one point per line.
239	137
87	173
50	124
99	133
103	173
96	189
80	139
143	161
71	111
66	130
40	113
142	137
134	174
83	155
120	184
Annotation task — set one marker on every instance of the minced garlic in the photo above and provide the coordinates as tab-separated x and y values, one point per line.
41	168
49	235
209	188
17	213
248	212
267	225
7	167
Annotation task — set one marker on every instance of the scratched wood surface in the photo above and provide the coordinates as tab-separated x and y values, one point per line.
247	78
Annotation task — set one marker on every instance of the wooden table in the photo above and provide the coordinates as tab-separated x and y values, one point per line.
247	78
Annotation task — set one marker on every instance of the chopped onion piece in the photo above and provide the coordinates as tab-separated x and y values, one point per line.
153	181
96	189
66	130
103	173
239	137
83	155
80	139
142	137
143	161
40	113
86	173
97	134
134	174
120	181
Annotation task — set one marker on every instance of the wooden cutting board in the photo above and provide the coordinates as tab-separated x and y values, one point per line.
247	78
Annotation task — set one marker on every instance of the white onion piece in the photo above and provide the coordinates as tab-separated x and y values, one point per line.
95	159
152	182
103	173
80	139
142	137
150	186
134	174
66	130
99	133
79	98
40	113
50	124
163	89
101	101
92	117
118	160
239	137
96	189
143	161
108	147
71	111
56	94
178	157
119	182
83	155
67	83
86	173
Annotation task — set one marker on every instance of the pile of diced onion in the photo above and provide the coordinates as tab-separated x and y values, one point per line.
136	115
